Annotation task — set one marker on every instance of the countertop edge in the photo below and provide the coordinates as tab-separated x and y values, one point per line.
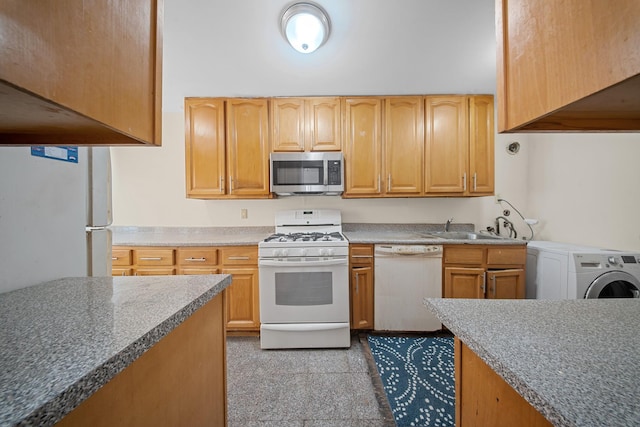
538	402
61	405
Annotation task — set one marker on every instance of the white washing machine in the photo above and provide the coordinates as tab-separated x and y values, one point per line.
564	271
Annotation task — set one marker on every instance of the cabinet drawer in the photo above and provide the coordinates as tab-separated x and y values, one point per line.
361	254
121	272
149	257
163	271
240	255
463	255
197	257
508	256
121	257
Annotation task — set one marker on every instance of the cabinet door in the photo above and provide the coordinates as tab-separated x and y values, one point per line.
242	299
205	147
506	284
323	119
446	144
403	145
288	124
464	282
248	147
362	297
362	146
481	145
154	271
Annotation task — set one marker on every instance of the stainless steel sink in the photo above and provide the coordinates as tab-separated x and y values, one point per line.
463	235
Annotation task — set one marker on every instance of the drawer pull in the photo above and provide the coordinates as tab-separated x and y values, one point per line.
114	258
151	258
361	256
195	259
239	258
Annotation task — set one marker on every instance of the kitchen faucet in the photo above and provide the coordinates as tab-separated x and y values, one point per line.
448	224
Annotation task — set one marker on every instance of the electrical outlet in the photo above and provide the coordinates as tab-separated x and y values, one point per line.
244	214
497	199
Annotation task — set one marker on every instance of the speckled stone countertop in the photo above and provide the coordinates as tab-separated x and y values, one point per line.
414	234
576	361
62	340
189	236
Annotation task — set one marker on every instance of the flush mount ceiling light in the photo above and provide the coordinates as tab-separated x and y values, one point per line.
305	26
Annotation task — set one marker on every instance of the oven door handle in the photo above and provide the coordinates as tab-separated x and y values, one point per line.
303	327
324	262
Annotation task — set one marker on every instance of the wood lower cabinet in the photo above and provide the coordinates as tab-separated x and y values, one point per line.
243	295
479	271
226	148
483	398
242	301
180	381
361	263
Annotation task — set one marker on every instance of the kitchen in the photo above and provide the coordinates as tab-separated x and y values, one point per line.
581	187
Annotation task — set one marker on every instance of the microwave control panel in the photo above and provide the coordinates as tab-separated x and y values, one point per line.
334	172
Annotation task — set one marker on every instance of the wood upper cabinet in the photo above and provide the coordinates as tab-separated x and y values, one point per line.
205	147
362	146
403	145
248	147
484	271
459	145
306	124
568	65
383	146
226	148
447	141
81	73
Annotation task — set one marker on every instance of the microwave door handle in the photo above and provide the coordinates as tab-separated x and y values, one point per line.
325	172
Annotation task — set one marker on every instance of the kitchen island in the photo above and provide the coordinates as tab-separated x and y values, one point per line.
576	362
122	350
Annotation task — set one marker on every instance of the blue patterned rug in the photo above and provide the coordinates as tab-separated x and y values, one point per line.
418	378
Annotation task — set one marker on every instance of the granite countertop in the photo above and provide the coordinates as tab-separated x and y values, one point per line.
575	361
415	234
62	340
234	236
189	236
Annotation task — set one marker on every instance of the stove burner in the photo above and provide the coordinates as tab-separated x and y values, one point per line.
304	237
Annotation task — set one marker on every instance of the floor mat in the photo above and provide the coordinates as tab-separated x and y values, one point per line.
418	378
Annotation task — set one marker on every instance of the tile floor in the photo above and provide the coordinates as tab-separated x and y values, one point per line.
296	388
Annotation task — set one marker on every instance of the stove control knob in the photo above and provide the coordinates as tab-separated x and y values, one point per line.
280	252
326	252
303	252
612	260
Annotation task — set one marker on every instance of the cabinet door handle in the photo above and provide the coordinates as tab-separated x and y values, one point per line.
389	183
357	284
493	284
484	283
475	181
221	183
464	182
195	259
379	183
231	181
239	258
150	258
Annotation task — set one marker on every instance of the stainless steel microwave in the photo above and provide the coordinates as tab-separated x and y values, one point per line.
318	173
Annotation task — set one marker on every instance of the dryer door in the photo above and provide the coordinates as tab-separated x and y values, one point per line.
614	284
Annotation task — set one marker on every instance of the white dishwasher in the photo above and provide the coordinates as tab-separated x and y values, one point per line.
404	276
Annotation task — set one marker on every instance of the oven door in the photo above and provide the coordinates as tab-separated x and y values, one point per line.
304	290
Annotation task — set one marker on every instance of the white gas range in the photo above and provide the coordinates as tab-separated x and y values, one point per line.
304	281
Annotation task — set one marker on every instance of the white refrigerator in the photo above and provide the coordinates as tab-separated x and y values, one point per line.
54	216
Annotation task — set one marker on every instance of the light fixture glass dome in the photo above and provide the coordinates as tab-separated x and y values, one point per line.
305	26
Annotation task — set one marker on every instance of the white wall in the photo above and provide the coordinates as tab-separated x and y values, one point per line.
585	188
377	47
